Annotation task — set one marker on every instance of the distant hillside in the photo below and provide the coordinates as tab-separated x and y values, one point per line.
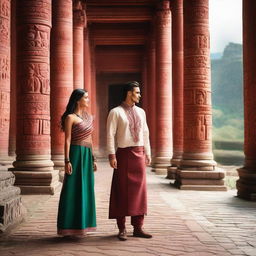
227	94
216	55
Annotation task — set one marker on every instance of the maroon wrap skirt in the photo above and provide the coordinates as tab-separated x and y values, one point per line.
128	191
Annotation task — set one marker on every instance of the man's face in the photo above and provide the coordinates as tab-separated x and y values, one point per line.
135	96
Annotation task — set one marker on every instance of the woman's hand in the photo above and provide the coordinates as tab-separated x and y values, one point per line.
68	168
148	160
95	167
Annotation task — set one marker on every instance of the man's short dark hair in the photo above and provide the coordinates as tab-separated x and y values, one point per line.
129	86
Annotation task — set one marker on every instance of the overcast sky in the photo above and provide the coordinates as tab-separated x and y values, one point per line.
225	23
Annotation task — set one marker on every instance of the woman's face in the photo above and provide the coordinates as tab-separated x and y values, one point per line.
84	101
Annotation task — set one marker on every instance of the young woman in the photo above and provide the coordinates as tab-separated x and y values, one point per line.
76	213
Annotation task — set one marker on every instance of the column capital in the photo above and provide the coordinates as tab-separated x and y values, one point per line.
79	16
163	13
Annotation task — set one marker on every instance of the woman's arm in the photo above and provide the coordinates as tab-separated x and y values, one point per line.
68	127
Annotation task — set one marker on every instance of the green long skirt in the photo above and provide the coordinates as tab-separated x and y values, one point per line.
76	213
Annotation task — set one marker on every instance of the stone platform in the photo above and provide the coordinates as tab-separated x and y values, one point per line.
187	223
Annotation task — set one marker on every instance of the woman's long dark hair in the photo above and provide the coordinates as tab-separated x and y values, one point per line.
76	95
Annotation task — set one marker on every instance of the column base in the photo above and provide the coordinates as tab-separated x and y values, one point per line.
246	184
161	165
200	180
171	172
35	182
175	162
58	161
7	161
11	209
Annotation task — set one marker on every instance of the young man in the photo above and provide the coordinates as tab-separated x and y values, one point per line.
127	131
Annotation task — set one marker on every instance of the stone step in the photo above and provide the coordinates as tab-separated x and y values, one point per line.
203	187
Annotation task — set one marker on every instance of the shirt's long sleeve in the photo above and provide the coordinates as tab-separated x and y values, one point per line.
146	137
111	131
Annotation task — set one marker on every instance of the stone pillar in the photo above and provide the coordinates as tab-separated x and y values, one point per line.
5	34
13	98
78	44
61	74
163	92
87	65
246	185
177	81
11	209
151	82
33	167
197	165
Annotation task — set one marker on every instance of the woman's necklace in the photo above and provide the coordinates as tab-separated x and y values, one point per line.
78	116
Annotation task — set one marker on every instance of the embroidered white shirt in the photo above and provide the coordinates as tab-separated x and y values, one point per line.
118	131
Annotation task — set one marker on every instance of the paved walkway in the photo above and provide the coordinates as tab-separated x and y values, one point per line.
181	222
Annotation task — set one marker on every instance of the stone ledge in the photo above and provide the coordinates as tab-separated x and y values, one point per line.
50	190
202	182
203	187
189	174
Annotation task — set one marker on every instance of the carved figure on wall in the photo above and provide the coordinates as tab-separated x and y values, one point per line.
32	82
200	97
37	80
5	9
43	76
4	69
37	37
4	30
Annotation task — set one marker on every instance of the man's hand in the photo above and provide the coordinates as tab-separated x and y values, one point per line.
113	163
148	160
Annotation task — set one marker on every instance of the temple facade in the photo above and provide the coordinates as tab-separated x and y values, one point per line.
50	47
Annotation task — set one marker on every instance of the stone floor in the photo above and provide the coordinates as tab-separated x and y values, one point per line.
181	222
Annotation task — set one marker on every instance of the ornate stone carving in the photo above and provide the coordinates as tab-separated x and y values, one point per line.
5	8
4	77
163	14
37	36
4	69
11	209
33	138
4	31
37	78
197	127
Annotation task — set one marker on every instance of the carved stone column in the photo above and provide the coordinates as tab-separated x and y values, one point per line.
78	43
246	185
151	82
11	209
197	167
61	73
5	64
163	94
13	98
177	81
33	167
